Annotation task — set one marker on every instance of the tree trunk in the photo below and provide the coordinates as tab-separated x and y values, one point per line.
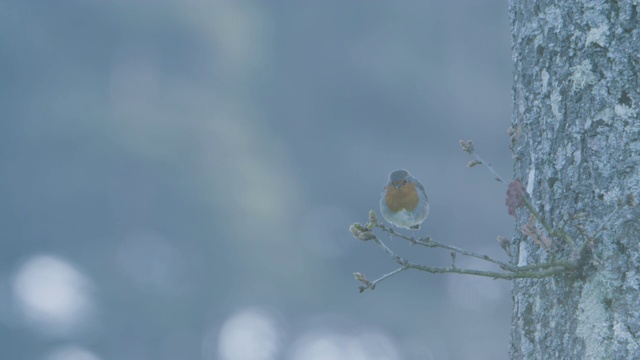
576	149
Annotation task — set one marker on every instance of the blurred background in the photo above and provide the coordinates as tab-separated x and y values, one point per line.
178	178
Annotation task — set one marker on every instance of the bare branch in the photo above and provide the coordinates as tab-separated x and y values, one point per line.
427	242
510	272
372	284
468	147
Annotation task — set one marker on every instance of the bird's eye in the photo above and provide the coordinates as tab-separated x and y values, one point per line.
404	181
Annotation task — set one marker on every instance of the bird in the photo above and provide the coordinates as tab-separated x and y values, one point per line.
404	202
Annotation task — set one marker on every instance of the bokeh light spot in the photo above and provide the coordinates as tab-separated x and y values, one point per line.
52	295
71	352
249	334
336	346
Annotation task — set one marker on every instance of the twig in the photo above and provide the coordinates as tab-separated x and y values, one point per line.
512	272
427	242
434	244
492	274
547	265
372	284
488	166
469	148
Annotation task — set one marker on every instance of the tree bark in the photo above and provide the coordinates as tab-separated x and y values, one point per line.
577	149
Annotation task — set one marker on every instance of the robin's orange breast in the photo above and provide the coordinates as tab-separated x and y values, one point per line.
404	197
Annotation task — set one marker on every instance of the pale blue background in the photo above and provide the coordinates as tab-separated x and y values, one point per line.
178	178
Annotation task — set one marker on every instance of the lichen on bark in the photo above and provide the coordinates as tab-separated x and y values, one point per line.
575	95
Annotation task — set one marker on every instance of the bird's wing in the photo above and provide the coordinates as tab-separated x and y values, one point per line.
419	186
